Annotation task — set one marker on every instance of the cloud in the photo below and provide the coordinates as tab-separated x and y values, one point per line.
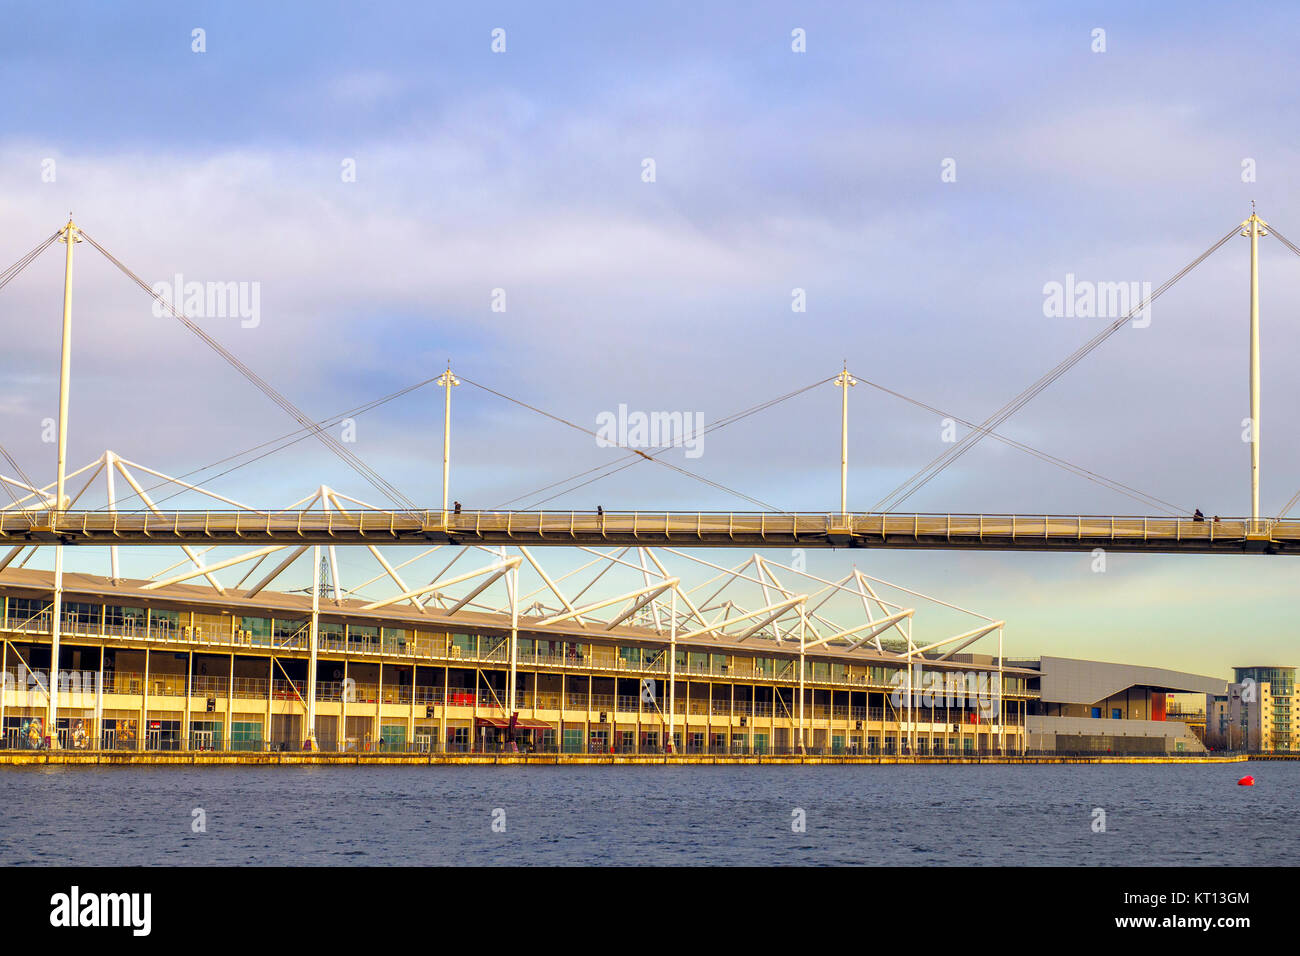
773	173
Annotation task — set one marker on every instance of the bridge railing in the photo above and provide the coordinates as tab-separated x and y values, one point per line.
660	526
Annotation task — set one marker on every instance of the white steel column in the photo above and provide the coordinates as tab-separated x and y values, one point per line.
844	380
1002	713
1254	229
4	680
110	464
309	742
907	708
447	380
70	238
910	724
512	585
341	742
803	624
142	728
99	701
186	733
672	668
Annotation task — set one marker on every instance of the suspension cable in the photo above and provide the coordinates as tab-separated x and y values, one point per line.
762	504
347	456
895	498
648	457
636	456
931	470
7	276
1139	496
13	270
1292	246
284	441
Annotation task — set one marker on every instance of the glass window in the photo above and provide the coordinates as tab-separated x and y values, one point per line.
362	635
126	620
258	628
395	639
205	735
283	630
83	615
246	735
24	609
164	622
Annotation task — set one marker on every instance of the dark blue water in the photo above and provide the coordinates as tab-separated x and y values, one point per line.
973	815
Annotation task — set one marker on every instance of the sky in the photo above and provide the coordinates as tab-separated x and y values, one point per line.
398	194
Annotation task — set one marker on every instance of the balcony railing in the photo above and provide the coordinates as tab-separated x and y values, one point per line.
432	648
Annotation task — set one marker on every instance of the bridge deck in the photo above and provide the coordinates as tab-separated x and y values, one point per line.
692	530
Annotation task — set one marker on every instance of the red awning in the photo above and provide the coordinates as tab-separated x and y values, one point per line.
527	723
522	723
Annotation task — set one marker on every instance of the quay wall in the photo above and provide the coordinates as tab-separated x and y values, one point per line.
236	758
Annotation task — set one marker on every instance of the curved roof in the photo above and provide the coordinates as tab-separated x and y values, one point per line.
1068	680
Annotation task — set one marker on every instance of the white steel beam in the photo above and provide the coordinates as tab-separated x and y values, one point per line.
438	585
872	627
588	608
749	615
205	570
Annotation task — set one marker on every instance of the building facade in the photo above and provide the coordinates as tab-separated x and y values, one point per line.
181	667
1102	707
1258	712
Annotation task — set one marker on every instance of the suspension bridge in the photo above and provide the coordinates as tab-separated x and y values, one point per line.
46	514
788	603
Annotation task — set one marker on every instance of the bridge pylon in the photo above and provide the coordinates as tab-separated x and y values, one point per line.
845	381
1254	228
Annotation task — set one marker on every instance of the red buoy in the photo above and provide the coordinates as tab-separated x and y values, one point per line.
1246	781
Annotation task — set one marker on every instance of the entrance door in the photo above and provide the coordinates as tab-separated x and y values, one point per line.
202	739
153	739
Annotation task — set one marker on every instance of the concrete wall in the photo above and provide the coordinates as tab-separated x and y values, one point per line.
1101	734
